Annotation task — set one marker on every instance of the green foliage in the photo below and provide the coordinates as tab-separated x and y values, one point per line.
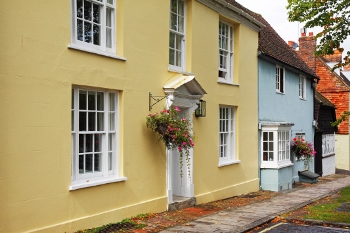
342	118
332	16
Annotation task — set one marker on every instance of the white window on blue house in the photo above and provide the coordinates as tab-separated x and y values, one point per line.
275	146
227	135
280	79
93	25
302	87
225	52
94	138
177	35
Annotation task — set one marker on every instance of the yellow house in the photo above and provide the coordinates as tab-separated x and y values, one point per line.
78	78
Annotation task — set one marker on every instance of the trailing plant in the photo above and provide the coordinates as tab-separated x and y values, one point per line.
303	150
174	131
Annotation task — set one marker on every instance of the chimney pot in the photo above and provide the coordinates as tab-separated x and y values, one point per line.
311	34
303	34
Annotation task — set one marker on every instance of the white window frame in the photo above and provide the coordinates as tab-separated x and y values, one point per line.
227	135
280	79
226	49
302	87
179	32
104	131
103	48
275	148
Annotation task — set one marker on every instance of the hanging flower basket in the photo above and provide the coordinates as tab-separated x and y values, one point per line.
173	131
303	151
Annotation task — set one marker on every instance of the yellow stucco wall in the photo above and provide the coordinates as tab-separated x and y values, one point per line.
237	178
37	72
342	153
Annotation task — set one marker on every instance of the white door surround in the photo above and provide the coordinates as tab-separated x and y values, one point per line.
183	92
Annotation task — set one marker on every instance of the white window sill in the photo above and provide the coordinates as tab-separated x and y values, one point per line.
226	163
179	71
96	183
275	165
282	93
95	51
222	81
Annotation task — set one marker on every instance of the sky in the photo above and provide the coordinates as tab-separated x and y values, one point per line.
275	12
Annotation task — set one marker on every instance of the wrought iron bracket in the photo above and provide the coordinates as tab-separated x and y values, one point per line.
156	99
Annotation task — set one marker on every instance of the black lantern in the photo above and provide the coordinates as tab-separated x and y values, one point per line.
201	110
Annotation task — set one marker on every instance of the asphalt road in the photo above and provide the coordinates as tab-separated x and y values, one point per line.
295	228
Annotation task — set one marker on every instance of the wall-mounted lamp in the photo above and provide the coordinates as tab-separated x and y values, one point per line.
314	84
201	110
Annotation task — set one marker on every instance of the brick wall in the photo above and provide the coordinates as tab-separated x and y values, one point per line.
330	85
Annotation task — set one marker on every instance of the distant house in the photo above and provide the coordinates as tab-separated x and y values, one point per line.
286	98
324	140
335	86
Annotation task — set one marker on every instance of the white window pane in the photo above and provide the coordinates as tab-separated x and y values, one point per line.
108	38
100	121
87	10
110	2
97	34
110	161
111	102
112	121
98	143
109	17
80	31
80	8
82	121
97	163
88	163
91	121
82	100
96	13
91	100
81	164
100	101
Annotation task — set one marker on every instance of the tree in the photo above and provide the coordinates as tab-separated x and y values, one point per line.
331	15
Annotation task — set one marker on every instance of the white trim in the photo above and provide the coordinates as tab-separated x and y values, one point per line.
276	166
278	80
97	182
176	70
228	55
223	164
221	81
96	51
108	138
102	48
302	87
229	126
182	67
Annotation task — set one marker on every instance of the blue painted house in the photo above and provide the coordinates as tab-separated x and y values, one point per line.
286	97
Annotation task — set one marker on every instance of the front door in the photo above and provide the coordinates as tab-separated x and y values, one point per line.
181	167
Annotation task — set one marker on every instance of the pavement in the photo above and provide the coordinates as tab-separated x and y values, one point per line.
244	218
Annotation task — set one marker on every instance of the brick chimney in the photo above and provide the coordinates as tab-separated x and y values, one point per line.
307	48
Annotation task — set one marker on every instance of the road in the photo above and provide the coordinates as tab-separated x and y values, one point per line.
295	228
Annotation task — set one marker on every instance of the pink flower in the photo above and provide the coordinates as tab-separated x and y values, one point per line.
179	148
171	129
184	143
183	119
177	109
